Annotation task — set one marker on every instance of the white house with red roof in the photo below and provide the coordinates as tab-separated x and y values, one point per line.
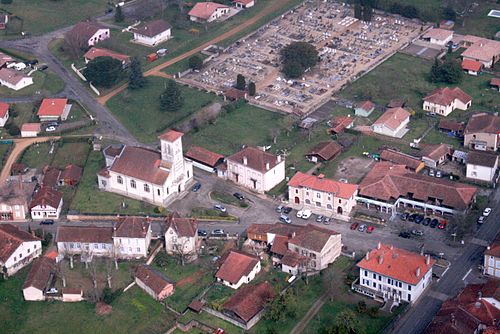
17	248
392	123
4	113
322	195
208	11
148	175
181	237
30	129
132	237
54	110
15	80
387	273
438	36
46	203
471	67
483	50
237	268
244	4
443	101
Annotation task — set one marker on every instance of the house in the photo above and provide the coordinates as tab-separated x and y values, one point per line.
392	123
14	200
148	175
324	151
207	11
46	203
87	241
95	52
390	273
153	282
255	169
132	237
482	166
39	278
459	156
388	187
51	176
495	83
438	36
491	264
72	294
4	19
451	127
266	233
71	175
322	195
237	268
246	306
474	310
483	50
152	33
443	101
481	132
54	110
17	249
364	109
471	67
30	129
5	60
90	32
435	155
4	113
181	237
339	123
413	164
204	159
244	4
15	80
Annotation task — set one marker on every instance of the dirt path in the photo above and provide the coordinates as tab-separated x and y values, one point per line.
190	279
301	325
157	69
19	146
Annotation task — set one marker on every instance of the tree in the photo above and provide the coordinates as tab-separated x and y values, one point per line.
283	306
74	44
240	82
119	17
136	78
449	71
346	323
103	71
6	2
361	307
357	11
252	89
367	13
297	57
14	130
449	14
293	69
195	62
410	12
435	71
288	123
171	99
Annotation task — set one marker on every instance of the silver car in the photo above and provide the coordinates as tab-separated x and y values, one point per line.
362	228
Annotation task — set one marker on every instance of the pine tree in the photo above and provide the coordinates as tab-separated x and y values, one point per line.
435	71
119	17
357	11
136	79
367	13
252	89
171	100
240	82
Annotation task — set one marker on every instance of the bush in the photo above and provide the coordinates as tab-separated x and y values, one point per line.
195	62
161	259
109	296
14	130
297	57
103	71
373	311
361	307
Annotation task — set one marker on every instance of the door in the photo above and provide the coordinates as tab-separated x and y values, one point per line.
297	200
339	210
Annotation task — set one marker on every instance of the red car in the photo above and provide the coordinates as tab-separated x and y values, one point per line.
370	229
442	224
354	226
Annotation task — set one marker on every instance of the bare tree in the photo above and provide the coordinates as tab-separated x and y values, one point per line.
288	123
60	270
109	271
275	132
183	252
74	44
329	285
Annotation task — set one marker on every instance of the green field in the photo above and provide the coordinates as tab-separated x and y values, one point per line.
44	83
4	149
38	155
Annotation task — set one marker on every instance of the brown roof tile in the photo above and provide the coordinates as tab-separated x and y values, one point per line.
171	135
204	156
132	227
435	152
393	117
185	227
250	300
101	52
280	245
50	176
312	237
451	125
485	159
11	238
152	278
46	196
494	248
483	123
204	10
85	30
40	273
152	28
256	159
84	234
236	264
339	123
400	159
326	150
11	76
445	96
365	105
339	189
72	172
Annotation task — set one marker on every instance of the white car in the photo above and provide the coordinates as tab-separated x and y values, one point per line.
220	208
486	212
50	129
300	213
306	214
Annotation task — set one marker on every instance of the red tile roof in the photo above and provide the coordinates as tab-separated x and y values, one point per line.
439	34
445	96
256	159
4	109
46	196
50	176
132	227
400	159
471	65
204	156
339	123
435	152
85	234
494	248
313	237
152	28
397	263
326	150
483	123
495	82
392	118
293	259
152	278
40	273
280	245
339	189
185	227
11	238
52	107
100	52
31	127
171	135
235	94
388	182
72	172
249	300
235	265
204	10
483	49
365	105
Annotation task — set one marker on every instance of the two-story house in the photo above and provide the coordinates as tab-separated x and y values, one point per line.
491	264
389	273
132	237
88	241
443	101
255	169
482	132
482	166
181	237
237	268
17	249
14	200
46	203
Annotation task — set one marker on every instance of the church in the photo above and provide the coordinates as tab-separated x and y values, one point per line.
147	175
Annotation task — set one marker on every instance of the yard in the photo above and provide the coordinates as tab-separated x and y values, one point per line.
58	154
139	110
44	83
4	150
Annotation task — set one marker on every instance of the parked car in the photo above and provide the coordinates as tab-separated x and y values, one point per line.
306	214
434	223
481	219
299	213
442	224
50	129
404	216
52	291
239	196
43	68
218	232
362	228
319	219
327	221
287	210
354	226
417	232
405	235
439	174
279	208
411	218
486	212
419	218
431	172
202	233
370	229
196	187
47	222
426	221
285	219
220	208
56	124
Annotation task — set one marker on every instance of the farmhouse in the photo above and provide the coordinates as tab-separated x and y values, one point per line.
147	175
152	33
95	52
39	278
46	203
207	11
324	151
4	113
153	282
90	32
443	101
181	237
237	268
435	155
389	273
15	80
412	163
438	36
17	248
204	159
392	123
54	110
30	129
482	166
14	200
481	132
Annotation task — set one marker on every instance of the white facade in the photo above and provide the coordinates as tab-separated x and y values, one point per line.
33	294
91	248
216	14
17	211
100	35
26	134
383	129
482	173
244	279
132	247
23	256
152	41
319	260
256	180
40	212
24	82
4	119
491	265
445	110
175	244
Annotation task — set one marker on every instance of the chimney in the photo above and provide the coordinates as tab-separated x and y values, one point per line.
321	176
392	247
418	272
394	255
267	165
245	161
279	158
367	257
381	259
379	245
427	259
293	234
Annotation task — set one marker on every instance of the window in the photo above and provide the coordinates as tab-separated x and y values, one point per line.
409	287
103	182
29	250
138	249
366	273
318	195
374	284
379	277
340	201
119	179
158	191
146	188
409	297
132	184
374	276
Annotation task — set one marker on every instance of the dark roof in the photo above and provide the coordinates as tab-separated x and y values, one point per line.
185	227
312	237
256	159
50	176
339	123
396	103
483	122
85	29
40	273
196	305
132	227
113	150
451	125
400	158
325	150
485	159
72	172
152	278
152	28
11	238
46	196
250	300
204	156
16	193
235	265
85	234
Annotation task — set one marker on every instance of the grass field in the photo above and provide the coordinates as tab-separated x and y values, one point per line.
38	18
139	110
4	149
44	83
38	156
133	312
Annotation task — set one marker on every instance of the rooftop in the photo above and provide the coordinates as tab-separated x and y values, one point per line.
255	159
11	238
204	156
204	10
152	28
101	52
235	265
52	107
185	227
250	300
46	196
338	189
445	96
439	34
400	158
85	234
483	123
392	118
152	278
326	150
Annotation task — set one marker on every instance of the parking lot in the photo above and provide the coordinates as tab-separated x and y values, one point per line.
346	47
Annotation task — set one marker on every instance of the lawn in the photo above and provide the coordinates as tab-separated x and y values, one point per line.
58	154
88	199
227	198
44	83
4	149
133	312
39	18
38	155
139	110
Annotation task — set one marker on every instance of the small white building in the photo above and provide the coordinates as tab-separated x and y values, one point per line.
91	32
244	4
491	264
482	166
17	248
30	129
39	278
392	123
15	80
46	204
255	169
152	33
438	36
237	268
443	101
392	274
4	113
208	11
181	237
